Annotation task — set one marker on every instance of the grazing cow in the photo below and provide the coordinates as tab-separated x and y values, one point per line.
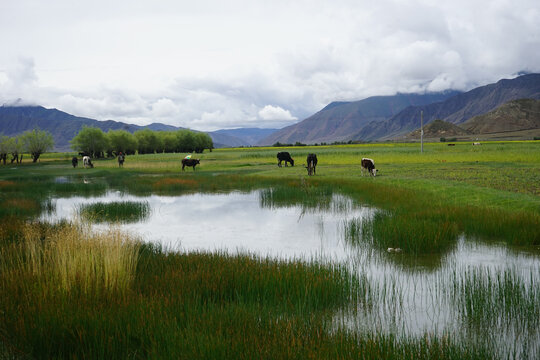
190	162
476	143
87	162
311	164
369	165
121	159
284	156
74	161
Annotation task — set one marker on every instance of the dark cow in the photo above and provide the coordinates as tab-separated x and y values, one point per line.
284	156
74	161
190	162
369	166
311	164
121	159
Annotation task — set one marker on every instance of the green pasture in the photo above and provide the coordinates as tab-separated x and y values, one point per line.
68	293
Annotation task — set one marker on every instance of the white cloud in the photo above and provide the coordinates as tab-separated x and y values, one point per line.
209	64
270	112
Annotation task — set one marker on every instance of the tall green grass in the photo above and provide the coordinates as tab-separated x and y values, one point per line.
69	258
119	211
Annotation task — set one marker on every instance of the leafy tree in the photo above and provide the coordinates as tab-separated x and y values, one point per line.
202	141
148	141
91	141
4	148
185	141
15	147
36	142
122	140
168	141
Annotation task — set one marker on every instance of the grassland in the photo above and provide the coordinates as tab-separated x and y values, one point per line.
64	293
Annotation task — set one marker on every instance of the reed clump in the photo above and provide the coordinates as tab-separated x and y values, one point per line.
68	259
118	211
414	233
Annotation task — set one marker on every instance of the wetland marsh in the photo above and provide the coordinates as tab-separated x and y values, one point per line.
241	259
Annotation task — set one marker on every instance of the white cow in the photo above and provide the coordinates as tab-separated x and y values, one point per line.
87	162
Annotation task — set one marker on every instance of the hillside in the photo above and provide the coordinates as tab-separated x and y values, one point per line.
523	114
456	109
438	129
338	120
63	126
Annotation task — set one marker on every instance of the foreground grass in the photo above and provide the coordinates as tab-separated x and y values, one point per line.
74	304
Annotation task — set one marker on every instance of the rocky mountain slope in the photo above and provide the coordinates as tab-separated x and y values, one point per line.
523	114
456	109
340	120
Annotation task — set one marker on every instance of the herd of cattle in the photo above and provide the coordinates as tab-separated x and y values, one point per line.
367	165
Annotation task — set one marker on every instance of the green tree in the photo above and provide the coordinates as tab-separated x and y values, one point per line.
36	142
168	141
122	140
91	141
4	147
185	141
148	141
15	147
202	141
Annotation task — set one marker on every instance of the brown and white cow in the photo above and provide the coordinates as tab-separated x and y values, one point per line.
369	166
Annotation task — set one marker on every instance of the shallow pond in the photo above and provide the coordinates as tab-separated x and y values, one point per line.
232	222
407	294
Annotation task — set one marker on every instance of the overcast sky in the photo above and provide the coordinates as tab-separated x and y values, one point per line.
212	64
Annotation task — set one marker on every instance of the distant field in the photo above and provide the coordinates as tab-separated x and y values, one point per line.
499	173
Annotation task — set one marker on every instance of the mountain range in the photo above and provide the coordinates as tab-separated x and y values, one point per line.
15	120
389	117
338	121
376	118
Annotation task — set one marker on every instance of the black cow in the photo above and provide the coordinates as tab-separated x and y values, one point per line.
369	165
74	161
121	159
311	164
284	156
190	162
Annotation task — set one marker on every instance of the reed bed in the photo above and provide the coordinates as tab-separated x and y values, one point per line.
118	211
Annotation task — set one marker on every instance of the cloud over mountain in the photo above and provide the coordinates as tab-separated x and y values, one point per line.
209	65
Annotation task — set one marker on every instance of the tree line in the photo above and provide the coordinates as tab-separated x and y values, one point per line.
35	142
96	143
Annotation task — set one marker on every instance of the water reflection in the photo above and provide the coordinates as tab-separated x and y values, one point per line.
235	222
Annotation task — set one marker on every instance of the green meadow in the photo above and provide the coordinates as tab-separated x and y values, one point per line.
67	292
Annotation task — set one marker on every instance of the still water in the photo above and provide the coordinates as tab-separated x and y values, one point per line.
410	294
233	222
